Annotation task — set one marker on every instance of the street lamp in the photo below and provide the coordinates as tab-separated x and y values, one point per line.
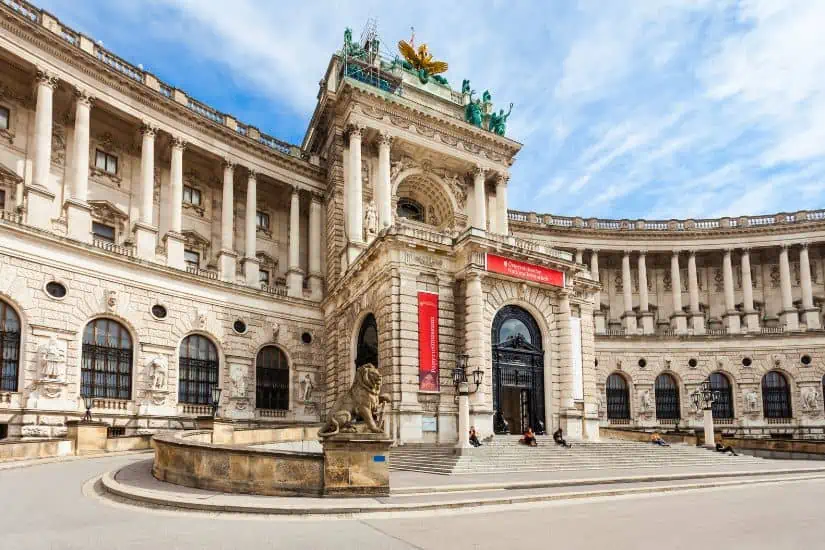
460	370
703	398
89	402
216	399
478	378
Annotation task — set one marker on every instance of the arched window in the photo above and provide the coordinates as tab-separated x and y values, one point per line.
667	397
107	360
367	351
776	395
410	209
197	370
271	379
9	347
618	398
723	406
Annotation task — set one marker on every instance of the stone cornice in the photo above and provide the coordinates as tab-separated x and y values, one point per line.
90	66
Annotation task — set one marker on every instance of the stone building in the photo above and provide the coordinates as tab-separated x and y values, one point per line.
153	248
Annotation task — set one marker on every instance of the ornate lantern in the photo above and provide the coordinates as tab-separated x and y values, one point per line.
216	399
460	370
89	402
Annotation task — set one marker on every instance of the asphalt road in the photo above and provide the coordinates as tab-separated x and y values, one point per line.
43	507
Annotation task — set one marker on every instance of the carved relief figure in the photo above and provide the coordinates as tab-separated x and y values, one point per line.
52	359
157	372
645	402
371	221
111	300
237	375
751	401
810	399
276	328
306	388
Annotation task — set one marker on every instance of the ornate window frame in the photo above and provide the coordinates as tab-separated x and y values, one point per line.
196	242
9	181
108	213
266	232
106	143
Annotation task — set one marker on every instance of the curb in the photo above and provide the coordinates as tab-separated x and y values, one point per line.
14	464
149	498
597	481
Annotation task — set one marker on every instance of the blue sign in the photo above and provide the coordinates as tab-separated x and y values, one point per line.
379	458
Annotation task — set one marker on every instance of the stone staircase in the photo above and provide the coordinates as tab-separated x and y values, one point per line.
504	454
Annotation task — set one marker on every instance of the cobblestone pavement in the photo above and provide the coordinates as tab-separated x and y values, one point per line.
44	508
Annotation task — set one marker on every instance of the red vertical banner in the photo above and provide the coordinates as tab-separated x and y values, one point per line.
428	341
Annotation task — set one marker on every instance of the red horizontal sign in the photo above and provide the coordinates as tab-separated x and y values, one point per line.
524	271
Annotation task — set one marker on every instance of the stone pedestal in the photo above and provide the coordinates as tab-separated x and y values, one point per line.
678	321
50	395
78	220
295	282
731	319
752	321
227	265
251	267
697	322
174	250
316	287
354	249
790	319
710	441
647	322
145	241
157	403
39	204
812	318
601	321
88	437
629	322
463	416
357	465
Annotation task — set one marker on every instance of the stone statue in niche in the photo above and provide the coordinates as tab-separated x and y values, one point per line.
645	402
751	401
276	328
306	388
371	221
237	375
810	399
52	360
158	372
201	319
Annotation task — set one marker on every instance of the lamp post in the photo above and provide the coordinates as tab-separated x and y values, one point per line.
89	402
216	399
462	387
703	397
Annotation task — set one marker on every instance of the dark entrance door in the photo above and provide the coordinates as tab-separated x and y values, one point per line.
367	350
518	371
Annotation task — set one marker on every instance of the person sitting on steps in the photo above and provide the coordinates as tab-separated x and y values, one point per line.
474	437
558	437
723	449
656	439
529	438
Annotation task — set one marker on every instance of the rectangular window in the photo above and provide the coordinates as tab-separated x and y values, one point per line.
4	118
2	199
263	277
191	196
106	162
263	220
192	259
103	232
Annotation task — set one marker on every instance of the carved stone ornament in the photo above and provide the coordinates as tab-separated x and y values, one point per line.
751	401
237	377
364	400
810	400
111	301
201	319
276	328
158	369
645	401
52	360
306	388
370	222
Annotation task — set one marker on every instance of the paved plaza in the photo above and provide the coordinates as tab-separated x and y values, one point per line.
51	511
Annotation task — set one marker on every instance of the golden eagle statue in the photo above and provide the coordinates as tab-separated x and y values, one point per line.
422	59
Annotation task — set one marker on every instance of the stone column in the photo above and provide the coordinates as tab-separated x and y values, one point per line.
383	187
731	316
294	274
39	195
503	223
355	198
474	335
78	213
174	237
789	315
463	416
751	316
644	306
570	415
479	199
227	257
579	256
697	319
677	319
629	316
315	276
145	232
811	313
251	264
599	315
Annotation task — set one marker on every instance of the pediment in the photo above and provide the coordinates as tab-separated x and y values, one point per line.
193	238
8	175
106	210
266	259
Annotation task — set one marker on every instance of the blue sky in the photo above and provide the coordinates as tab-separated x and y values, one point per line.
644	108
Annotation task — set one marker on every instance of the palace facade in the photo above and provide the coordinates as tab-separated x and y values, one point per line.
154	249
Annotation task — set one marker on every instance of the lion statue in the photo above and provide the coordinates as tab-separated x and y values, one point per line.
362	400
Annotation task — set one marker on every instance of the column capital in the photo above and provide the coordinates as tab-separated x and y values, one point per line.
643	252
228	164
785	246
692	253
479	170
595	250
384	139
294	189
804	244
355	129
627	252
745	250
252	174
502	178
316	197
728	250
46	77
148	129
676	252
178	143
83	97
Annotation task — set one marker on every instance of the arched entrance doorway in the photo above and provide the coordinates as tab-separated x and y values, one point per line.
518	371
366	350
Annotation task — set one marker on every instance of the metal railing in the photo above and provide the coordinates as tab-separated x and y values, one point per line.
24	8
166	90
205	110
274	143
771	330
119	64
